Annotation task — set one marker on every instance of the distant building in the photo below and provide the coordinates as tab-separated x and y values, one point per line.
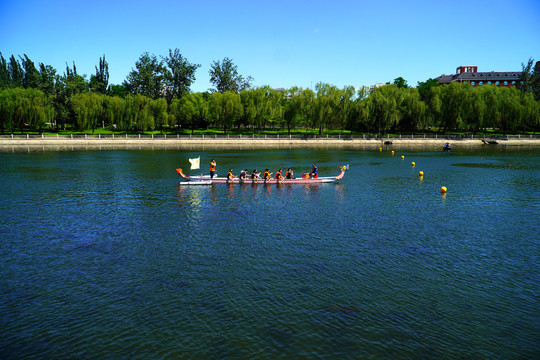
375	86
471	75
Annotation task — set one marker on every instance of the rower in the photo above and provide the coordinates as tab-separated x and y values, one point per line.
242	175
279	175
289	174
254	175
267	174
314	174
230	176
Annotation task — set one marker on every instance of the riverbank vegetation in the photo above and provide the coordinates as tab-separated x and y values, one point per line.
156	98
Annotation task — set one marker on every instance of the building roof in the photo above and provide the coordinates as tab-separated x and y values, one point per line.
480	76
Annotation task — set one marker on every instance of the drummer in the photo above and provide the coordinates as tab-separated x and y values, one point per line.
314	172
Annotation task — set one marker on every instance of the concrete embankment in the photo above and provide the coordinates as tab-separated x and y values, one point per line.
248	142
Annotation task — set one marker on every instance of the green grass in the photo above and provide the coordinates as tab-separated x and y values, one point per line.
249	132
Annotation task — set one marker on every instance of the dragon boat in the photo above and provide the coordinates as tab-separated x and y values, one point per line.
206	180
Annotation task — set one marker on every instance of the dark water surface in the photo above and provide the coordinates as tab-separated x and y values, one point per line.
104	256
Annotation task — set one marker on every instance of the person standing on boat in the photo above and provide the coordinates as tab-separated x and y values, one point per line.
314	172
289	174
212	168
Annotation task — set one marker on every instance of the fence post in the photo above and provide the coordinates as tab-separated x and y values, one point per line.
72	136
42	137
152	136
165	136
85	137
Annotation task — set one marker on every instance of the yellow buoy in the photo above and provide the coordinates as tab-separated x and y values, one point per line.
412	164
443	190
392	152
402	157
380	149
421	173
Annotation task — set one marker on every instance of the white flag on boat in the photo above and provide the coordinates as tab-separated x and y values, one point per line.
195	163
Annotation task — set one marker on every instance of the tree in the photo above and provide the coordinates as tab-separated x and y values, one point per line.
5	79
118	90
159	113
47	79
100	81
24	107
148	79
180	76
67	85
401	83
452	105
31	77
226	108
16	72
413	111
224	75
88	109
424	88
384	107
292	108
325	106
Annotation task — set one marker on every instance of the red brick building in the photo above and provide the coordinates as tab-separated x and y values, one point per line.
471	75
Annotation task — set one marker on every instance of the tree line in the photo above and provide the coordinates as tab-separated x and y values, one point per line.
156	95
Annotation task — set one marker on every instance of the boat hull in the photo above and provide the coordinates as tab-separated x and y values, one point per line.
206	180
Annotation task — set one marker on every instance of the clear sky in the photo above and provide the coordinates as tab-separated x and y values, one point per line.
279	43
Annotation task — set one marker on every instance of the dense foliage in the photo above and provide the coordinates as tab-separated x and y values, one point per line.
156	95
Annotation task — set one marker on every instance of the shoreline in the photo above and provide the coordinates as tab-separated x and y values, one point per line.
262	142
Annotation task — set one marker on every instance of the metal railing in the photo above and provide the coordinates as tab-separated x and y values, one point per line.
267	137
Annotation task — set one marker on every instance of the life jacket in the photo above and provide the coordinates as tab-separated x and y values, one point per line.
242	175
289	175
278	175
213	166
230	175
266	175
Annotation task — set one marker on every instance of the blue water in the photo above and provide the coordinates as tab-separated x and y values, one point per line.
104	256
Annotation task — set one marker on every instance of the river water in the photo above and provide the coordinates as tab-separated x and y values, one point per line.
104	256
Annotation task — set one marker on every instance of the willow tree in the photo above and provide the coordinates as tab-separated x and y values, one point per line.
292	107
452	99
190	111
384	107
89	110
24	107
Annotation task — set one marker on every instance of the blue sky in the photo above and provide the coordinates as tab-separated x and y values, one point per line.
279	43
